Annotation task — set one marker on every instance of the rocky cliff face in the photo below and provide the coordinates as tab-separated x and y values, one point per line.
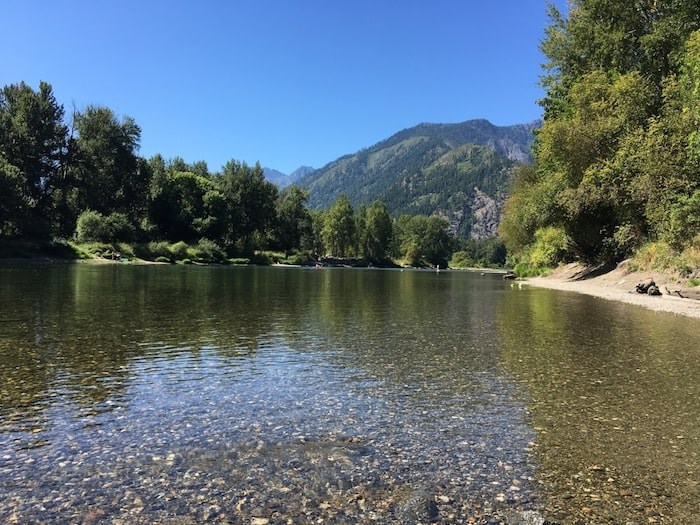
486	213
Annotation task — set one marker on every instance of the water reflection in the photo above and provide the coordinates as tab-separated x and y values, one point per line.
614	400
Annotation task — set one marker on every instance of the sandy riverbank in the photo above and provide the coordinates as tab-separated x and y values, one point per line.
619	285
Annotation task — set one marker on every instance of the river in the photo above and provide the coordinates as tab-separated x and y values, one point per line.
182	394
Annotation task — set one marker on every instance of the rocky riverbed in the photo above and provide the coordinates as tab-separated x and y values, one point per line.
275	449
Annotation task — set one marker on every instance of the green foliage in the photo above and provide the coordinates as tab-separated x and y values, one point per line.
92	226
376	236
525	269
550	248
105	171
179	251
122	229
91	185
482	253
461	259
12	200
298	259
339	228
158	249
25	249
683	217
617	161
163	259
33	144
208	251
660	256
250	204
293	225
424	240
260	259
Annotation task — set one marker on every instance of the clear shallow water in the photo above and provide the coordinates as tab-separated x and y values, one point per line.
231	395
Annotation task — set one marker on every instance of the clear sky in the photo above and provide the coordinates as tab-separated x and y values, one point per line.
283	82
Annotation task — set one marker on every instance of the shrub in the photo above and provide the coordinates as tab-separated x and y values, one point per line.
122	229
296	259
208	251
524	269
162	259
179	250
550	247
97	249
260	259
92	226
655	256
683	220
158	249
461	260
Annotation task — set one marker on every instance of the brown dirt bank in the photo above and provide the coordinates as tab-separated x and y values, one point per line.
619	285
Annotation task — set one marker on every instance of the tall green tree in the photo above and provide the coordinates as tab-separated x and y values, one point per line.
12	199
294	226
33	140
250	201
425	239
108	175
339	227
378	233
184	207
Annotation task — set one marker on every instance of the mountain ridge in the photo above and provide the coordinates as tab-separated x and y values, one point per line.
461	171
285	179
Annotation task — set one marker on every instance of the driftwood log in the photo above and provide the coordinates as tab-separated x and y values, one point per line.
648	286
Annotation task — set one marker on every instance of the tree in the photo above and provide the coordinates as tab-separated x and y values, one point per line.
107	176
293	218
12	202
339	227
613	158
250	201
425	239
314	243
378	233
33	147
186	207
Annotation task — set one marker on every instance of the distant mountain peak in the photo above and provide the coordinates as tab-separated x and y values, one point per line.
283	179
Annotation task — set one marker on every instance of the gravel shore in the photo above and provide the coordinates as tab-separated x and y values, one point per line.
619	285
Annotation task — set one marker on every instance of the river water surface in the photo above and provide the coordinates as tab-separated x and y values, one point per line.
163	394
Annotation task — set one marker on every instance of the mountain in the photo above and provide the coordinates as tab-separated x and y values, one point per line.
300	172
282	179
460	171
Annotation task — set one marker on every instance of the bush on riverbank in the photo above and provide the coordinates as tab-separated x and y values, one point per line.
661	257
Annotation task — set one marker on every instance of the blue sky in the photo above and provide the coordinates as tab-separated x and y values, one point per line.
283	82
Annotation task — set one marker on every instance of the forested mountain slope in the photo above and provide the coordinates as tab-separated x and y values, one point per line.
460	171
